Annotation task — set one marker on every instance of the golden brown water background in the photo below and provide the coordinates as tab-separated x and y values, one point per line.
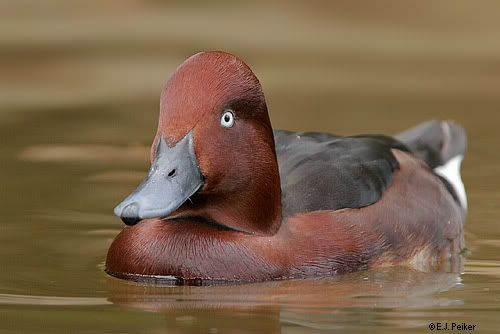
79	90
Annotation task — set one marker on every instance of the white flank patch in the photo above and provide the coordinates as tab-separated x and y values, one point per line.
451	172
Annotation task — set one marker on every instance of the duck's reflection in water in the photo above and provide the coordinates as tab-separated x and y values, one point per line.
357	300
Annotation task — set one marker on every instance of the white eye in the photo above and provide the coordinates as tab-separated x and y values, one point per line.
227	119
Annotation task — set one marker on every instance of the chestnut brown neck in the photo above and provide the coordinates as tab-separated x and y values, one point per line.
253	204
255	209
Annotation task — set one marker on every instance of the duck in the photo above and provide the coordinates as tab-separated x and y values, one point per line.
229	199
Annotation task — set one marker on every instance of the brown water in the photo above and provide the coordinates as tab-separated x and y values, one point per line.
78	108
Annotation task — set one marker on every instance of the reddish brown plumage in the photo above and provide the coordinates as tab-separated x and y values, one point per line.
415	222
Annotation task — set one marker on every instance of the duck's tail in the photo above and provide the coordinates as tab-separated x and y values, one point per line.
442	145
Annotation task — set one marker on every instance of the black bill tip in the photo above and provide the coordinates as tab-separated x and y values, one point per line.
130	214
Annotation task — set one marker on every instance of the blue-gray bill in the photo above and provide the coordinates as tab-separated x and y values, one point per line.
173	177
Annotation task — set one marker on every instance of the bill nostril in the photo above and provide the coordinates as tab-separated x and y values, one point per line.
130	214
172	173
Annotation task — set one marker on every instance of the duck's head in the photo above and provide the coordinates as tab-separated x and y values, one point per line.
213	154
